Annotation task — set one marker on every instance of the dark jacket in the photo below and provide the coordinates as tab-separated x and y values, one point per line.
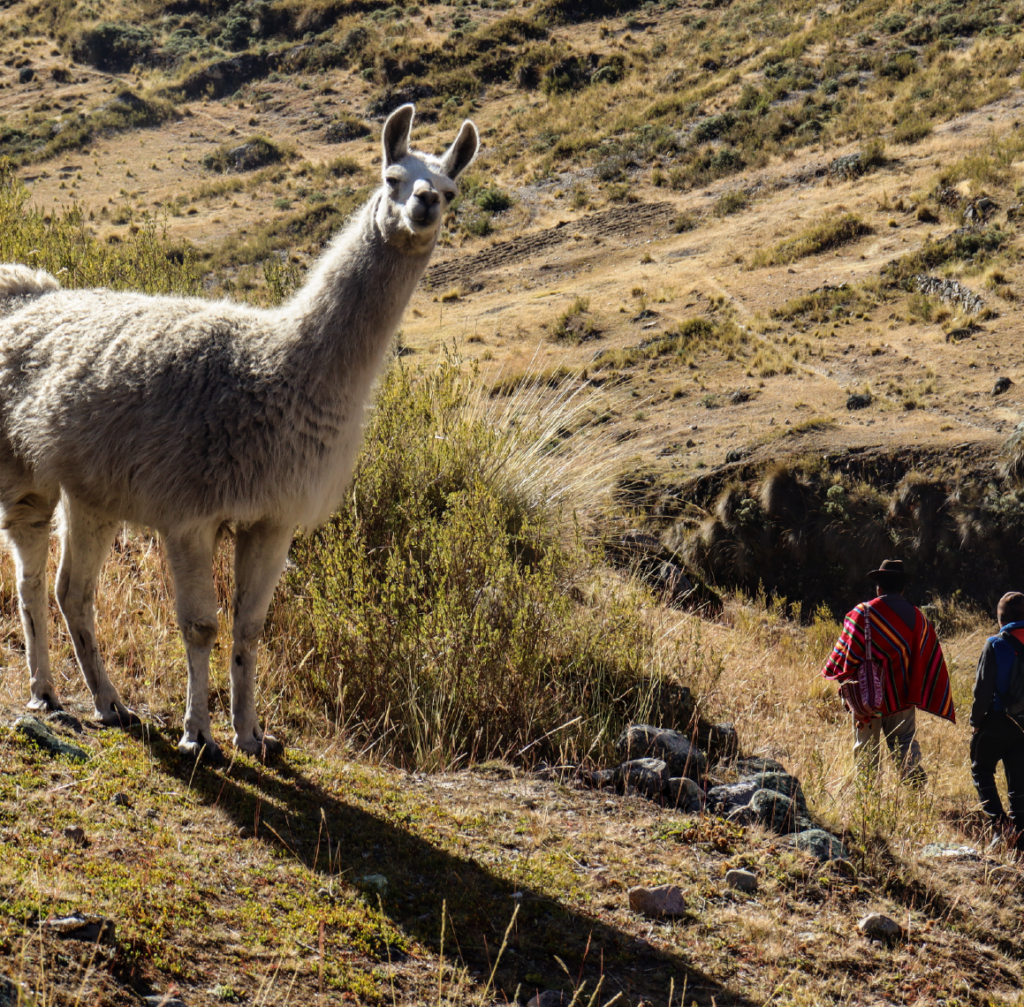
993	677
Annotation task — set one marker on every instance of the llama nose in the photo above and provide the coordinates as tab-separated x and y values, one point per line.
428	196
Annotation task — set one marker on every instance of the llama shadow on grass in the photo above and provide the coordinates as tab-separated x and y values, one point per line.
284	808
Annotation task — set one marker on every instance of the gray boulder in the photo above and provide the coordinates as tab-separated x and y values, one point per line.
643	741
752	764
648	776
684	794
821	845
779	813
783	783
721	800
877	925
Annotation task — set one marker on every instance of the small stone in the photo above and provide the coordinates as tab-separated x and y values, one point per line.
77	835
26	75
783	783
664	900
723	741
38	732
877	925
684	794
743	881
1002	385
647	776
121	800
857	401
821	844
83	928
245	832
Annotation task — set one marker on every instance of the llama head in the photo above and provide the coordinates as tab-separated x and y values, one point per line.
419	187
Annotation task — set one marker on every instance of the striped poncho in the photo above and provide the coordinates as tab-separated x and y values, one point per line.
913	669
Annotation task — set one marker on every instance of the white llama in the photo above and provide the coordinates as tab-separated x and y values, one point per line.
182	415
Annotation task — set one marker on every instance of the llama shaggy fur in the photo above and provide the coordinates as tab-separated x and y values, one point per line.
184	415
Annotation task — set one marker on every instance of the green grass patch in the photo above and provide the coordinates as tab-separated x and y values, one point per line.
813	240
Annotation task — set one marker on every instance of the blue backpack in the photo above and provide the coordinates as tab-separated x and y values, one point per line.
1013	698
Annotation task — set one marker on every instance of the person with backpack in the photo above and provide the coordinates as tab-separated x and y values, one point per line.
888	664
997	717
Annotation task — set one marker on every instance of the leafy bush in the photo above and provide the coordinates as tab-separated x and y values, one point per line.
61	245
493	200
438	604
113	46
814	240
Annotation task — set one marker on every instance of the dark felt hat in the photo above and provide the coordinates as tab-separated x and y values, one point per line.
890	573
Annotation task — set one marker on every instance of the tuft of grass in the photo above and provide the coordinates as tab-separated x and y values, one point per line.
576	324
437	608
813	240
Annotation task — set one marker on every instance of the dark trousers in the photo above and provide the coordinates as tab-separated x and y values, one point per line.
1000	740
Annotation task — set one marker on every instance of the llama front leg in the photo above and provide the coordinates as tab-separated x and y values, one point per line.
26	526
260	553
86	538
191	559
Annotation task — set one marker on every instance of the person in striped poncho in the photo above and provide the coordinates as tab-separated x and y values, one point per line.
914	673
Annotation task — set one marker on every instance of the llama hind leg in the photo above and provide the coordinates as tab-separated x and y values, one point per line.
86	538
191	559
26	526
260	553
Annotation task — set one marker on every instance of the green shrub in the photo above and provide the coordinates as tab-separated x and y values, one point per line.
61	245
437	606
912	129
575	324
113	46
493	200
814	240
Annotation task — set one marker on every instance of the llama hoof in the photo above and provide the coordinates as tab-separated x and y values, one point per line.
201	750
262	746
118	715
46	703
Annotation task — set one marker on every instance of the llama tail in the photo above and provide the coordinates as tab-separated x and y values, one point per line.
19	284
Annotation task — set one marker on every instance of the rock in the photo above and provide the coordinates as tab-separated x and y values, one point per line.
665	900
245	832
599	778
163	1000
778	812
550	998
958	334
83	928
736	455
951	851
722	741
121	800
877	925
738	398
858	401
644	741
846	167
1002	384
64	719
756	764
783	783
951	292
684	794
646	776
26	75
374	884
724	799
77	835
821	845
38	732
743	881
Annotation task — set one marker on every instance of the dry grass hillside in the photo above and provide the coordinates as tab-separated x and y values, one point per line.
742	276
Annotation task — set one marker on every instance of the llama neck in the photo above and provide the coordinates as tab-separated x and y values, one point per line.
347	312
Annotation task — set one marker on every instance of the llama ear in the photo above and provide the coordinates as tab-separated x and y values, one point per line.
395	135
459	156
